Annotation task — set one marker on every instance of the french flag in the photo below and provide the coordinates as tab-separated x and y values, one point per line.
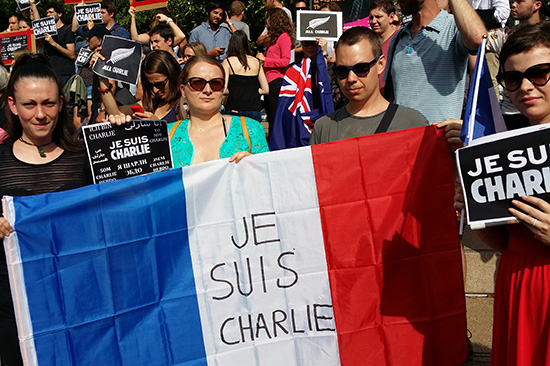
337	254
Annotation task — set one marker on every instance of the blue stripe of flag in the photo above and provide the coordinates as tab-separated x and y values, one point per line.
102	292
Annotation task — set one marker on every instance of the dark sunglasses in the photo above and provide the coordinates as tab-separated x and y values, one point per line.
303	8
159	84
362	69
537	74
310	43
199	84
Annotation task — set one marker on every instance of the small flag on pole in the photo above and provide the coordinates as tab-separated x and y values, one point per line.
482	115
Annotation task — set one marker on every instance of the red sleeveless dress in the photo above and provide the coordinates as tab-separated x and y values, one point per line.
521	330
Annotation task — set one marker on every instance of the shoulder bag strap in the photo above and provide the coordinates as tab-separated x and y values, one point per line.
245	132
173	129
386	120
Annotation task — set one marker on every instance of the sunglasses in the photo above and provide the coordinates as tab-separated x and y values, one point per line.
538	75
362	69
199	84
159	84
310	43
304	8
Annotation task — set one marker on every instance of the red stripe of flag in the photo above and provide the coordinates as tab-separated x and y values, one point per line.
392	247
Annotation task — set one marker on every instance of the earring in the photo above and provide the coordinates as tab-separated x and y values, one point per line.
184	105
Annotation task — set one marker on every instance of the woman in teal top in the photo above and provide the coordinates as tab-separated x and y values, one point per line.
207	135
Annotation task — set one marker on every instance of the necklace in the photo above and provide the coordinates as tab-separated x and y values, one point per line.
39	147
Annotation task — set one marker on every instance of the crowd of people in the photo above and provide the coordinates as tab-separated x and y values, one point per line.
410	69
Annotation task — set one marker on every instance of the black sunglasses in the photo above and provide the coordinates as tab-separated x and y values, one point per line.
362	69
302	8
199	84
537	74
159	84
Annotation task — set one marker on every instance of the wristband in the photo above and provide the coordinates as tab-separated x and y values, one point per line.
106	90
169	20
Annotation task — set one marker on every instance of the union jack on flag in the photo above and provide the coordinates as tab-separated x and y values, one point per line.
295	114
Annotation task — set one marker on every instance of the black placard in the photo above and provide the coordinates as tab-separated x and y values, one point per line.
122	60
118	152
83	13
318	24
25	4
83	57
12	41
503	167
44	25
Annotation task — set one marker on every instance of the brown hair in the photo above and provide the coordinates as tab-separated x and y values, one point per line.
161	62
277	22
184	75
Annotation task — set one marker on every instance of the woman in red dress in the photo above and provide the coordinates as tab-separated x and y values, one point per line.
521	331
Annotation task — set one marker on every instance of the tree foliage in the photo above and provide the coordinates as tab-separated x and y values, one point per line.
187	14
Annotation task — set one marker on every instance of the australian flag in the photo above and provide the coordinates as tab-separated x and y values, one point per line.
295	114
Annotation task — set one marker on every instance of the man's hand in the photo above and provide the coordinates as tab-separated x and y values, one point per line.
452	127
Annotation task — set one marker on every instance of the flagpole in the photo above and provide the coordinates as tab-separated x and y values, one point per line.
470	135
480	58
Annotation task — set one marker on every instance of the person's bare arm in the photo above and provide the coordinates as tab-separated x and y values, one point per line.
142	38
67	52
179	36
469	24
264	85
74	23
34	14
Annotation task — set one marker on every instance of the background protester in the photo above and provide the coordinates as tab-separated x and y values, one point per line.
207	135
192	49
13	22
521	326
25	24
236	12
159	75
40	156
108	13
210	33
382	15
280	42
161	17
245	77
59	48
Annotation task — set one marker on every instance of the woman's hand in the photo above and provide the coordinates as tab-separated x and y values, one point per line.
145	115
132	12
96	55
459	199
119	119
536	216
453	128
260	56
5	228
238	156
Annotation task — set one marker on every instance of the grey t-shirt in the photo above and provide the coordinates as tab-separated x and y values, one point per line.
340	125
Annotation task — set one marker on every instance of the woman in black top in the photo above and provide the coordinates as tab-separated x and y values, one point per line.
246	79
39	156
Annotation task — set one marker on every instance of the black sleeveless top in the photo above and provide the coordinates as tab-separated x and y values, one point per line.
243	92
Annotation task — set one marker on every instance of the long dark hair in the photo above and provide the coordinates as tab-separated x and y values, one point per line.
239	47
37	66
161	62
277	23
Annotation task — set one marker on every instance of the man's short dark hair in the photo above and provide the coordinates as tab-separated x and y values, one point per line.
524	39
236	8
18	16
330	6
109	6
213	5
163	30
386	5
57	7
357	34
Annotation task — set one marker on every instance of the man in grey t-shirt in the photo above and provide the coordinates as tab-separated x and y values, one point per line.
359	62
236	13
